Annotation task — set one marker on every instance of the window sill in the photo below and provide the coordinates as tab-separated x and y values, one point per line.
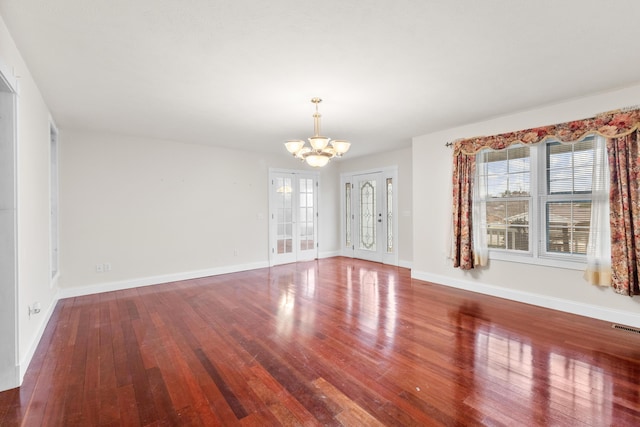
548	261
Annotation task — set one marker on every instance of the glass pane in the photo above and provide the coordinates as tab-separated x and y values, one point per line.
389	215
568	226
496	213
519	185
284	215
507	173
519	160
518	225
518	238
570	167
517	212
508	224
306	223
367	215
497	185
560	186
347	220
583	179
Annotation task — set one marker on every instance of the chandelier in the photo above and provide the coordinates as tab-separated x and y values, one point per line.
322	148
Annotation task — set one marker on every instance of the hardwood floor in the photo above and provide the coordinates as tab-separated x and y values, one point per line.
330	342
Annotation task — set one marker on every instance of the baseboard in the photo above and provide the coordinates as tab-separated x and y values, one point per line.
10	378
405	264
329	254
156	280
26	359
587	310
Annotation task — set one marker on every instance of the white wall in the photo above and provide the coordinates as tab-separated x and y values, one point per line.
329	214
34	281
552	287
404	192
161	210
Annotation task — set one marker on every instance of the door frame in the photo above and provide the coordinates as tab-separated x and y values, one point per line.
9	352
273	257
348	250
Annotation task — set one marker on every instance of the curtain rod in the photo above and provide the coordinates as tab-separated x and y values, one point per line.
630	108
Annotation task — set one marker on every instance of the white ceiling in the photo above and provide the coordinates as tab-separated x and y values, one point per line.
240	73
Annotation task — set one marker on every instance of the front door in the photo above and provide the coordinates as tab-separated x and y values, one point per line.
368	221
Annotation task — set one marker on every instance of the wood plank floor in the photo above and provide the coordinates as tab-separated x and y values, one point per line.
330	342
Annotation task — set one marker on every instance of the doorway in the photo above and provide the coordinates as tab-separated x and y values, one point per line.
293	216
369	224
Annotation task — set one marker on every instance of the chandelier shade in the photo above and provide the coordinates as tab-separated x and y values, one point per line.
294	145
322	148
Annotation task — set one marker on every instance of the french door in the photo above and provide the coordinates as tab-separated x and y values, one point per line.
368	221
293	217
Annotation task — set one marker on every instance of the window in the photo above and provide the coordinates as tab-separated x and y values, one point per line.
533	202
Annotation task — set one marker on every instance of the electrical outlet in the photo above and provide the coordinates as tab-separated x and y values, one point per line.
99	268
107	266
236	252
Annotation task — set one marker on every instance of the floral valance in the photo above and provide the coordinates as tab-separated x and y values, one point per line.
610	124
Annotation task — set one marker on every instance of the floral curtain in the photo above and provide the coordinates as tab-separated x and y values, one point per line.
624	205
462	245
620	127
613	124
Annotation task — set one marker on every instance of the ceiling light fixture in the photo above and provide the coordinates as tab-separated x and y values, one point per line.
320	152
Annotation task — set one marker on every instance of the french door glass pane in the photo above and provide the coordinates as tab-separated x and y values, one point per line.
305	219
284	215
347	204
368	215
389	215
